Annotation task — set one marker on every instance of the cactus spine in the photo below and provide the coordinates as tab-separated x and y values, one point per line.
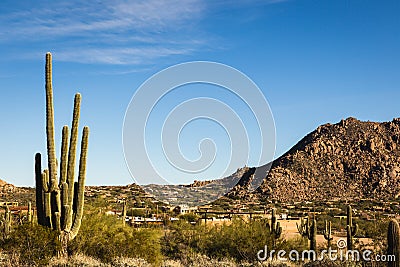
123	212
328	233
351	229
275	228
60	203
393	239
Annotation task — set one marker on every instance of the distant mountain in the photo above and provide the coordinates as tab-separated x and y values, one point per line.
347	160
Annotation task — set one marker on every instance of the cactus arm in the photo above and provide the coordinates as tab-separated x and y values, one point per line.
64	155
47	209
64	199
354	229
81	185
45	181
39	189
72	149
51	151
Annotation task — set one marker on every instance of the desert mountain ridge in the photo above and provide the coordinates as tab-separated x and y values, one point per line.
351	159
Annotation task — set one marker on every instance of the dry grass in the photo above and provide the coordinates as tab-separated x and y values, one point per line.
195	261
76	260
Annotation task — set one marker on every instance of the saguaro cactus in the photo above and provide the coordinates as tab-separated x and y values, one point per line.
393	239
274	228
328	233
351	229
60	203
304	227
309	231
312	236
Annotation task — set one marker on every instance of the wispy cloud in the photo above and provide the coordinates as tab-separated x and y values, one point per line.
122	32
107	32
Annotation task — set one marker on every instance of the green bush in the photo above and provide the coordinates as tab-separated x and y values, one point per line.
239	240
104	238
31	245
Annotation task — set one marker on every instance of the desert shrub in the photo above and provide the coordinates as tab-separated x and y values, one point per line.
104	238
239	241
31	245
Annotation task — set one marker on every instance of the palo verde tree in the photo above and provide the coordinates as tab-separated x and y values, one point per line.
60	201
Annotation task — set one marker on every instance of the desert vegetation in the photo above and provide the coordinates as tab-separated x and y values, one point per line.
62	228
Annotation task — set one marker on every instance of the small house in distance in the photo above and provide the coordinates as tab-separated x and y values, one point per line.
183	209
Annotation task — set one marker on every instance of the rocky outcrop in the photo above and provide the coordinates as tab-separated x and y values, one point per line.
348	160
6	187
197	183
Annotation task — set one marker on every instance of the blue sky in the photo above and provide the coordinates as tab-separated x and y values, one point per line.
315	62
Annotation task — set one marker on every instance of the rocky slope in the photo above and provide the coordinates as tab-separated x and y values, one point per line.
347	160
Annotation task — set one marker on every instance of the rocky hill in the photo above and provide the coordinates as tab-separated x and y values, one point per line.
351	159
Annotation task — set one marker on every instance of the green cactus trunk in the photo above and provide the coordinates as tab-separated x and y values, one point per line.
350	228
328	234
60	203
393	240
313	236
